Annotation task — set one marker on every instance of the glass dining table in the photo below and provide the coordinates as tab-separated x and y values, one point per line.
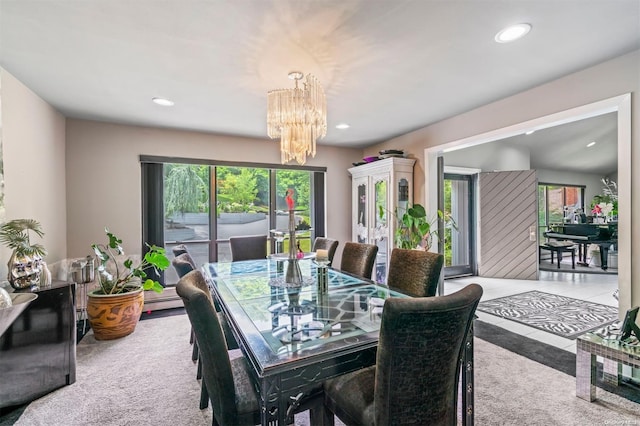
296	336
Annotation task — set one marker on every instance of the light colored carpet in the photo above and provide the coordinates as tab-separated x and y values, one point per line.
149	378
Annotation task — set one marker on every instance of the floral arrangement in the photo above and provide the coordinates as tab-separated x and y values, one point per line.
606	204
602	209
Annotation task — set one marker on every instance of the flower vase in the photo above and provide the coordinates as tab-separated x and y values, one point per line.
292	236
293	275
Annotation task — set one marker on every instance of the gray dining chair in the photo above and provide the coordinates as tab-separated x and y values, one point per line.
415	272
179	249
328	244
248	247
183	264
226	379
358	258
200	282
415	379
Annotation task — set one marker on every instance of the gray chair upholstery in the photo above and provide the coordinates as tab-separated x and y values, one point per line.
179	249
183	264
328	244
415	379
248	247
415	272
226	374
183	267
358	259
226	382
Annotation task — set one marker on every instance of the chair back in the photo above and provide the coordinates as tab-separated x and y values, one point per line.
415	272
183	264
419	355
179	249
248	247
328	244
358	258
216	365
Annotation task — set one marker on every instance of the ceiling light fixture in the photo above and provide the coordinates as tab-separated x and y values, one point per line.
590	144
342	126
513	32
162	101
298	117
530	132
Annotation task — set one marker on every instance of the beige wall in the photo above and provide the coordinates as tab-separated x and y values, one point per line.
606	80
33	139
103	176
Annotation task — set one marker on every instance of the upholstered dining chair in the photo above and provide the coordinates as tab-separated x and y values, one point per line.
248	247
415	272
328	244
179	249
358	258
226	378
415	379
183	263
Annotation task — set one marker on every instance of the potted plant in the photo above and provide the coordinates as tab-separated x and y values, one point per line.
416	231
114	308
25	265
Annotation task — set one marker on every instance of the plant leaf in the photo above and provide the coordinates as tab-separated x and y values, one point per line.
417	211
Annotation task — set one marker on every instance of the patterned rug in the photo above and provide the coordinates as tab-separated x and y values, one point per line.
564	316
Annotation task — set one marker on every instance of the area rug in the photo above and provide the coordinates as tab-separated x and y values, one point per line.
560	315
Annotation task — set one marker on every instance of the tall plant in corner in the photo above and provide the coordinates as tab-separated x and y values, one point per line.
115	307
415	230
116	279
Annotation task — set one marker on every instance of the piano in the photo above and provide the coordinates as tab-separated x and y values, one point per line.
583	234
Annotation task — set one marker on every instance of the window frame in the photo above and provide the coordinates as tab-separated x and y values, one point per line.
153	197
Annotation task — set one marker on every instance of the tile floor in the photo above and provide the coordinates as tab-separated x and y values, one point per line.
597	288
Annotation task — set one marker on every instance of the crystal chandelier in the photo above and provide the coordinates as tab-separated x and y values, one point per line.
298	117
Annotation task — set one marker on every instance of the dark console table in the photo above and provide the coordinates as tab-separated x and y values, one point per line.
38	351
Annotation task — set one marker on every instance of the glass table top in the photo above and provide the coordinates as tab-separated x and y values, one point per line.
608	337
282	323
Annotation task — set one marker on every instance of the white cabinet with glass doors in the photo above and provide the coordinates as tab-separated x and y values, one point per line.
382	190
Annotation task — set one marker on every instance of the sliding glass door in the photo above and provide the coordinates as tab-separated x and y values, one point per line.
203	205
187	195
459	247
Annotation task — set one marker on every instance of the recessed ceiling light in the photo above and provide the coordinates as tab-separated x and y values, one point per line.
512	33
342	126
162	101
529	132
590	144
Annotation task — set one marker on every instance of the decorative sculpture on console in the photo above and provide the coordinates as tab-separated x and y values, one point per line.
26	263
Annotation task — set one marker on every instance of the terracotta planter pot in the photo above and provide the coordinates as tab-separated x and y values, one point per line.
114	316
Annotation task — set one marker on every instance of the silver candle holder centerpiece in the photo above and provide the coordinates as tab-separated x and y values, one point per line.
322	262
293	275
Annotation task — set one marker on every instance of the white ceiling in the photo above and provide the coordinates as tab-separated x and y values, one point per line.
388	66
562	147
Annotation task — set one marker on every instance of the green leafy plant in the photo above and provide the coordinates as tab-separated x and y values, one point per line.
416	230
116	280
15	235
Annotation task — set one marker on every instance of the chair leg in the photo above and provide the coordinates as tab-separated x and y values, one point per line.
321	415
204	396
195	351
191	337
199	370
